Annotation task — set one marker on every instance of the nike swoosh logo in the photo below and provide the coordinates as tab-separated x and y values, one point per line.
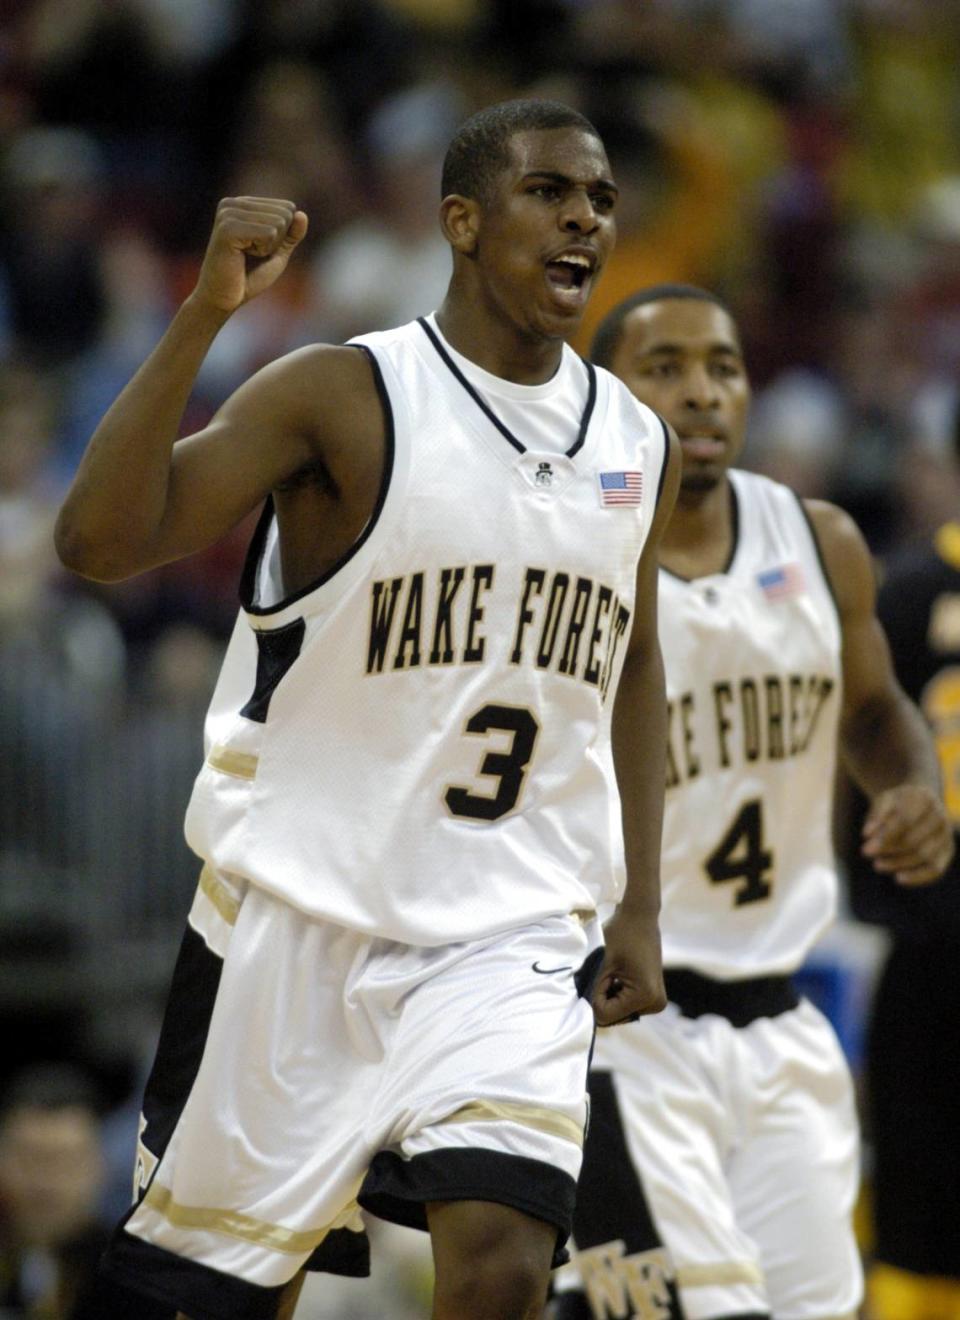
548	971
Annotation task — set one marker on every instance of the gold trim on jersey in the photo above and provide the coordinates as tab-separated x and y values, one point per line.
531	1116
721	1272
241	765
219	895
234	1224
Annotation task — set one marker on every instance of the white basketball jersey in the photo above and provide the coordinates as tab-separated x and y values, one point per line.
752	658
417	746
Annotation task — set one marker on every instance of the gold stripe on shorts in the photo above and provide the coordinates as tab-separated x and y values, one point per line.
219	895
542	1120
241	765
720	1272
232	1223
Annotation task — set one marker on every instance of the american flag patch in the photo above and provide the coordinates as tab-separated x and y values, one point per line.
780	582
618	488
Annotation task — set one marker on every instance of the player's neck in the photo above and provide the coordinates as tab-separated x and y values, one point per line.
699	538
498	346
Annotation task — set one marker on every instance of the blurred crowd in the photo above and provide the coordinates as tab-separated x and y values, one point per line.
799	157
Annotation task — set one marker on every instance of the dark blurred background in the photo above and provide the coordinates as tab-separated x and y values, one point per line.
800	157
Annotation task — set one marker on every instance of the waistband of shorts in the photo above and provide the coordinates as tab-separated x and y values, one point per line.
740	1002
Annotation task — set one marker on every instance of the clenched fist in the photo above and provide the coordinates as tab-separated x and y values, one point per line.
251	243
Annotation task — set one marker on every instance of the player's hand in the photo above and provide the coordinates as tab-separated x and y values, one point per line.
251	242
908	834
630	980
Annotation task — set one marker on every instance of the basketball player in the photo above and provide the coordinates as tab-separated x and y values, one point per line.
722	1166
912	1063
448	633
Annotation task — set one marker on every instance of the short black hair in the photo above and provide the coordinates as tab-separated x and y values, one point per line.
607	335
481	147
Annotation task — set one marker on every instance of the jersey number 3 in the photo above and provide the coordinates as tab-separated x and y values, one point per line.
740	855
507	767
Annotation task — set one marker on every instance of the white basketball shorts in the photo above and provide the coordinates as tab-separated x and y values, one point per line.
304	1070
744	1149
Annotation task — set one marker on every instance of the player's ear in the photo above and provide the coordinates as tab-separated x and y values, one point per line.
460	222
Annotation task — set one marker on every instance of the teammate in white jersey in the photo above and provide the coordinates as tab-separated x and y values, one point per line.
388	986
722	1164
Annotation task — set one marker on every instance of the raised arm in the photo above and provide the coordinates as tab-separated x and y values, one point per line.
140	497
884	741
631	977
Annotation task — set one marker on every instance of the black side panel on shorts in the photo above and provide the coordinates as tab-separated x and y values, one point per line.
108	1299
619	1248
196	1290
398	1190
183	1036
343	1252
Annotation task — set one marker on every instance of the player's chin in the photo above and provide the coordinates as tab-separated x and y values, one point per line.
701	480
562	310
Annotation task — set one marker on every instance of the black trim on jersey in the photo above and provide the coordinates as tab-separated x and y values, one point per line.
248	579
197	1290
398	1190
819	549
492	416
587	409
740	1002
734	542
612	1205
666	460
277	649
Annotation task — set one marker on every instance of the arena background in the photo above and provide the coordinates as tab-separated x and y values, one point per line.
801	157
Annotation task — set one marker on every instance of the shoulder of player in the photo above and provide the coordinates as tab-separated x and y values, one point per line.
326	393
622	397
846	557
319	374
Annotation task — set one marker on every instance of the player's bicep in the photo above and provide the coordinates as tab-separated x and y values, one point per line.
869	682
644	632
257	439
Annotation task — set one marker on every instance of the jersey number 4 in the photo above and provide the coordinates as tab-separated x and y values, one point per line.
507	767
740	855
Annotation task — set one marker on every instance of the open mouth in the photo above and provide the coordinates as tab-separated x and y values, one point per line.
569	274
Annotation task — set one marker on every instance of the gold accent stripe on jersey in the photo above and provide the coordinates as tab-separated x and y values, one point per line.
721	1272
542	1120
219	895
242	765
232	1223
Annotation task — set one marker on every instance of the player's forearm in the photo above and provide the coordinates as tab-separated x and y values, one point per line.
116	503
639	754
886	744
